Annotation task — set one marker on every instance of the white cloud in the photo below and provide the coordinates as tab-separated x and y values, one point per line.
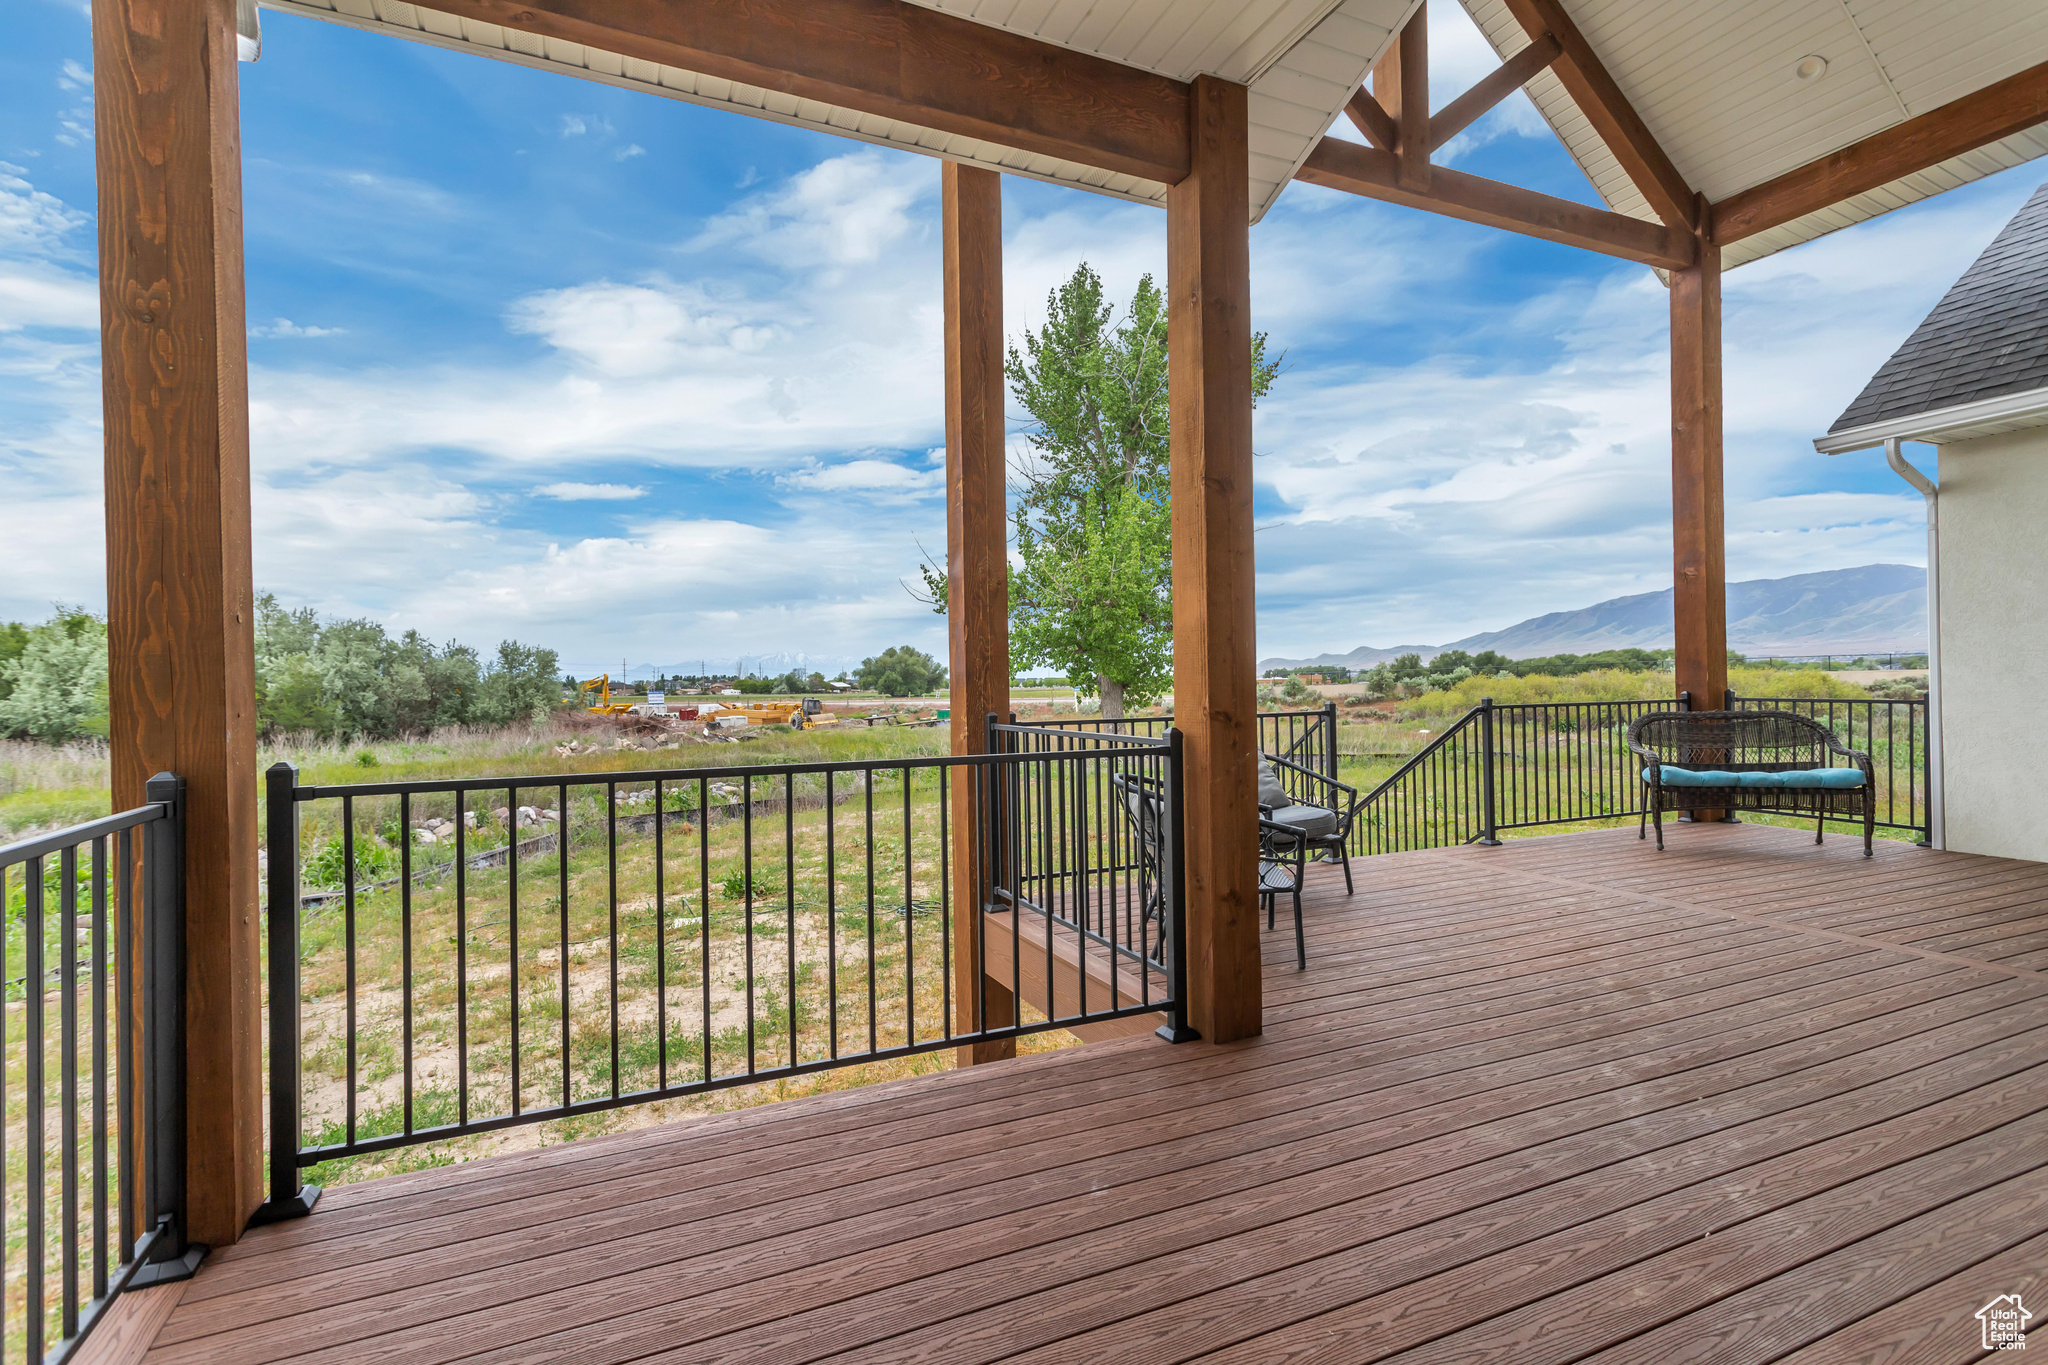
848	210
281	328
576	125
732	365
32	222
37	296
590	492
72	75
629	151
873	477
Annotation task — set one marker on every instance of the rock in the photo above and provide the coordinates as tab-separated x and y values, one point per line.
425	836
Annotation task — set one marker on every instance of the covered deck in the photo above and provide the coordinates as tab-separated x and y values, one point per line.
1567	1099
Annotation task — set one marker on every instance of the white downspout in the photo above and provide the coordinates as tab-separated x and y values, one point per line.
1936	831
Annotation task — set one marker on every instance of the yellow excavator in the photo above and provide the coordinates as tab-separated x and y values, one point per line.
807	714
601	685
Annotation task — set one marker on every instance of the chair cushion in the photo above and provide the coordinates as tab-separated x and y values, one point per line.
1807	779
1692	777
1313	821
1831	779
1271	792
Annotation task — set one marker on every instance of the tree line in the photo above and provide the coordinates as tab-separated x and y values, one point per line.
330	679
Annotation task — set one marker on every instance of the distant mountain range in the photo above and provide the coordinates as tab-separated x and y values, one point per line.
1841	611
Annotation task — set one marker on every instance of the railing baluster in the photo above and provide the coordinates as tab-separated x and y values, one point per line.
660	943
704	914
562	915
747	892
32	1086
126	1063
99	1070
512	935
867	787
405	835
789	898
67	1082
611	839
945	902
909	918
348	884
831	916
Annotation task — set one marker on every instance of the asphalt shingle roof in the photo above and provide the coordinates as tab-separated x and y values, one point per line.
1987	337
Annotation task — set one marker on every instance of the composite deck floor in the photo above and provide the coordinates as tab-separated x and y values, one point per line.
1569	1099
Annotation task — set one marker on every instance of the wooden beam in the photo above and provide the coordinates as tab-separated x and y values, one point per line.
1400	89
1359	170
181	683
892	59
977	568
1699	570
2010	106
1370	119
1209	374
1412	151
1510	76
1611	115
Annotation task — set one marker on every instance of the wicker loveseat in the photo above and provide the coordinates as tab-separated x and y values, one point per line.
1772	761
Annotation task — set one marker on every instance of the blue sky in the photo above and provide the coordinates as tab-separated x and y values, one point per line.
534	357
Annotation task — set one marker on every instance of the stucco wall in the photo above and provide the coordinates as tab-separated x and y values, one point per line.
1994	643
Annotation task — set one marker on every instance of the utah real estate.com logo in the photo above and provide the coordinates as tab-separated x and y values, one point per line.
2005	1323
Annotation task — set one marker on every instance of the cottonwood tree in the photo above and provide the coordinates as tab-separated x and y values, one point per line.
1091	587
1091	582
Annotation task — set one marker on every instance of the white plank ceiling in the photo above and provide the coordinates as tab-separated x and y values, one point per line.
1715	84
1713	79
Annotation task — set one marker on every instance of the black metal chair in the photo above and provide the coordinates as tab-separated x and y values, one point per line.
1283	859
1318	808
1144	803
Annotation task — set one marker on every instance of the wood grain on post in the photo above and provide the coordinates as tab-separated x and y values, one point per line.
1699	569
1214	661
977	568
180	635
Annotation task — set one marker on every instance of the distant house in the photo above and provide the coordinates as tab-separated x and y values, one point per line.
1972	380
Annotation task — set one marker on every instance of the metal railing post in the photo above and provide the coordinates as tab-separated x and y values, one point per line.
163	989
288	1198
1330	740
1176	1028
1491	818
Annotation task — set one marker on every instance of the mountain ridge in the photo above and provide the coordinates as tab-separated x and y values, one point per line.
1870	608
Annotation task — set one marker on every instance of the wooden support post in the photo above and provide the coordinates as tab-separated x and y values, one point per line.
180	635
1699	572
1208	266
1413	147
977	567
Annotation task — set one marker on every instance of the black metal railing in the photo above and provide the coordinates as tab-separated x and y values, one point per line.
1305	737
1893	733
474	954
1094	847
95	1020
1520	766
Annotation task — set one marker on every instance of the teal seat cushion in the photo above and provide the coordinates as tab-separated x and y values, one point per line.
1692	777
1829	779
1798	779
